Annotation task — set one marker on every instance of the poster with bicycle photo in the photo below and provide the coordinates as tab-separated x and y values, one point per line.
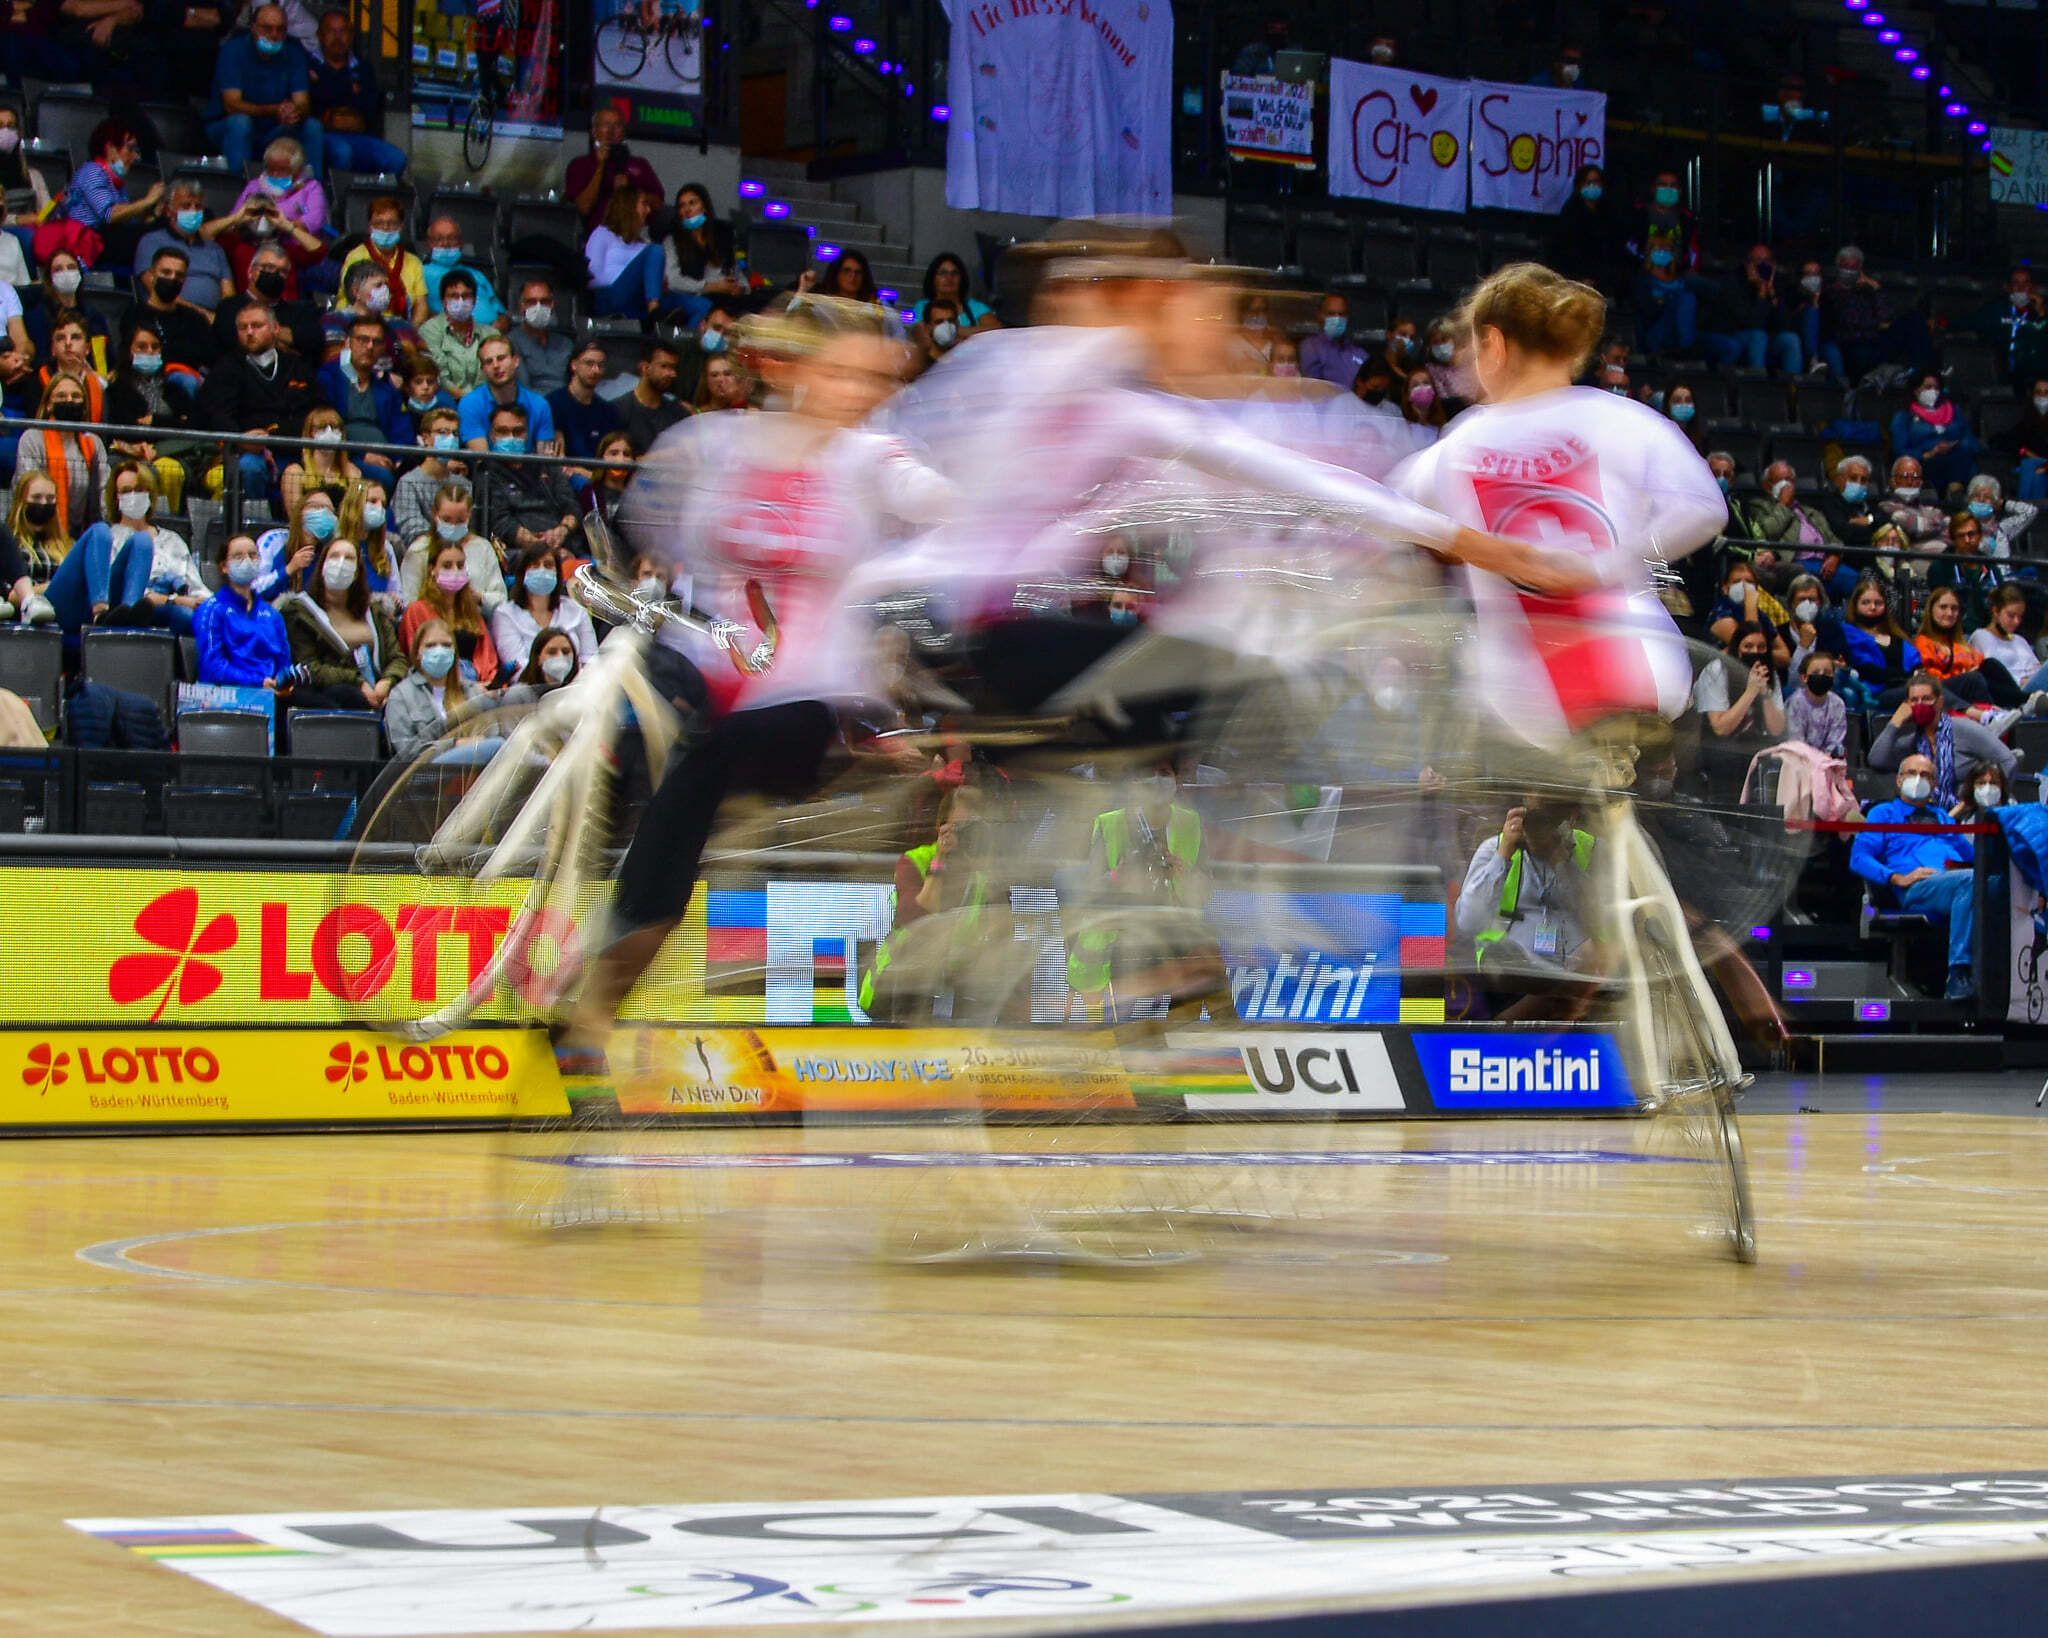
487	68
654	51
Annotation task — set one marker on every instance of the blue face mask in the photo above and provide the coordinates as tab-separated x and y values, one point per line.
277	184
445	440
1123	617
509	446
1682	412
541	582
1660	258
119	167
190	221
693	223
1667	197
243	571
437	660
1724	483
712	341
384	238
1334	326
1981	509
320	525
269	48
444	255
1590	193
146	363
1854	491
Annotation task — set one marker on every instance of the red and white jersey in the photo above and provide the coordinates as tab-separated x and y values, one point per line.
1588	472
1036	426
761	499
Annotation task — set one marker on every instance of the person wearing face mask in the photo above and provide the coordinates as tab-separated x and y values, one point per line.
1817	628
1955	746
1935	432
449	525
1743	600
1374	387
367	293
543	347
1667	308
107	577
449	598
1587	239
1815	714
1564	72
1966	572
1804	301
261	87
1982	799
434	695
1861	326
403	281
184	332
366	520
93	217
412	502
1750	320
698	259
63	277
444	255
1682	409
2013	322
371	408
945	277
538	602
288	552
22	189
270	277
75	460
529	505
453	338
2004	522
1911	507
37	526
936	334
1421	405
1662	219
324	465
260	390
1848	505
1402	353
344	645
1919	869
616	460
1737	695
209	279
1330	354
240	637
552	664
1781	517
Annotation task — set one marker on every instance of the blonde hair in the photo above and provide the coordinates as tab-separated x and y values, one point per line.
1538	311
349	526
58	541
145	474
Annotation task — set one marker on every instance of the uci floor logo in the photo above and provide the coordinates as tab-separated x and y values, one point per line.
1333	1071
1513	1070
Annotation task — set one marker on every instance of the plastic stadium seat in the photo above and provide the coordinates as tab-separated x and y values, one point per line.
52	163
1455	260
1997	413
1256	236
65	121
365	191
32	665
141	662
555	220
314	816
1370	302
1387	252
217	185
200	810
1818	403
223	734
176	128
475	212
332	736
1969	369
1322	245
776	251
120	808
1758	398
1739	439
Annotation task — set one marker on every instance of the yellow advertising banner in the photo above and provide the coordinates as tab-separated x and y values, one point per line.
748	1071
146	1077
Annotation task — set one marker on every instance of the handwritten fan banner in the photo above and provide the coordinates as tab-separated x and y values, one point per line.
1398	137
1528	143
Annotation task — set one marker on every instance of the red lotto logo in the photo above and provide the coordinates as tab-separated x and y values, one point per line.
346	1063
45	1068
171	923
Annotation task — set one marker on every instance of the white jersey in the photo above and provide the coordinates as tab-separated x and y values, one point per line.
1587	472
1033	425
734	499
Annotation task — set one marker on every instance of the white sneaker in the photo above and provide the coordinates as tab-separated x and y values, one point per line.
2036	704
2000	721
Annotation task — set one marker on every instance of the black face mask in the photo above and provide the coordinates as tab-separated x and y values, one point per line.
269	283
1751	659
167	289
1820	684
1374	395
67	412
39	512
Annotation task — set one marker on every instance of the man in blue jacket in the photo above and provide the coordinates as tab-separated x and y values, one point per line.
371	405
1928	874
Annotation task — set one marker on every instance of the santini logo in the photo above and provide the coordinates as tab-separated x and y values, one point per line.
1544	1070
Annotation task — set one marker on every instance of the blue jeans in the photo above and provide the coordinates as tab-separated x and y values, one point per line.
1751	348
2033	478
239	136
93	573
358	151
1667	316
1946	897
633	291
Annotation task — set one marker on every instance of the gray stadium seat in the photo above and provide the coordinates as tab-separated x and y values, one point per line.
32	665
340	736
365	191
223	734
141	662
199	810
475	212
65	121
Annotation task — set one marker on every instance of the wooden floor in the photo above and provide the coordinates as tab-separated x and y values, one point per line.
287	1323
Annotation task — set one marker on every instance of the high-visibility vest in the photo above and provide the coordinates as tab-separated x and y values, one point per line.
1511	889
1088	957
977	892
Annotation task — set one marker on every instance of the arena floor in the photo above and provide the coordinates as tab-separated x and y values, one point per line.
324	1327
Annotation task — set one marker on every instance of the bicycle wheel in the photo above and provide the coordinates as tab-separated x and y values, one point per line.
622	47
478	131
682	47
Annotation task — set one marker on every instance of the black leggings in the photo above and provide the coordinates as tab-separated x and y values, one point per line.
776	750
1989	684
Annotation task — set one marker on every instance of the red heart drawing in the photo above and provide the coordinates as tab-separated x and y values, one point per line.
1424	100
1582	119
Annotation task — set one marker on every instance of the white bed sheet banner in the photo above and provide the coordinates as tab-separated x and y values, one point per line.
1398	137
1528	142
1061	107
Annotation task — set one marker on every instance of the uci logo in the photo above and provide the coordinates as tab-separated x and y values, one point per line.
1323	1069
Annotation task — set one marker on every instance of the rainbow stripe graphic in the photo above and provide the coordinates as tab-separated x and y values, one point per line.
198	1543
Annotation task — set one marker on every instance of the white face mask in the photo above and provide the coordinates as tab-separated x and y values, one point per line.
1115	563
327	435
10	138
1811	283
1805	611
1917	788
376	298
1443	351
339	573
945	332
1907	492
66	280
540	315
2041	406
555	667
265	360
648	588
1928	397
1989	796
134	505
